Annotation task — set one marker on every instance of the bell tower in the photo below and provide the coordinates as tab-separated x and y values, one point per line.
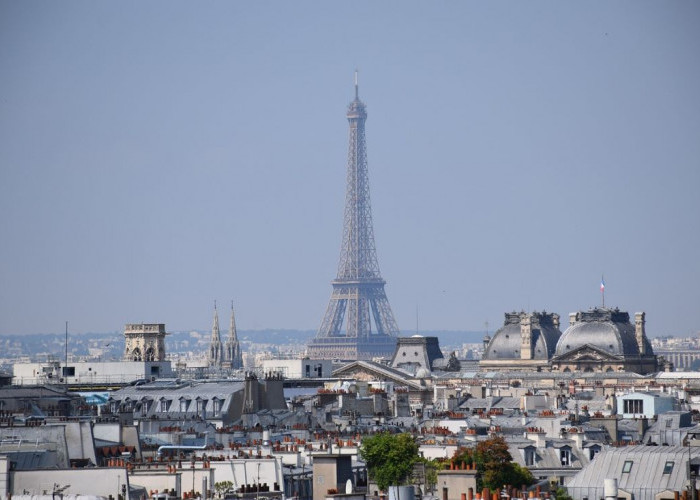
144	342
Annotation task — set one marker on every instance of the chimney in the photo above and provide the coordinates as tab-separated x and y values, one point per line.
640	332
572	319
577	435
526	336
537	435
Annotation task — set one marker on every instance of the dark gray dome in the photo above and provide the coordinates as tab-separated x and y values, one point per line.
607	329
506	342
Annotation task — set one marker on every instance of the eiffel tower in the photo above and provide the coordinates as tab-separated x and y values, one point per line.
359	288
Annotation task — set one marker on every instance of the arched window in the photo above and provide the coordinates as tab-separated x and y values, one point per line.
150	355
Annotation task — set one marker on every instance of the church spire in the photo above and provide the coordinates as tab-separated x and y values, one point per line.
215	350
233	349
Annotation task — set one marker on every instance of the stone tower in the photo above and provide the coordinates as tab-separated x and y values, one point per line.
144	342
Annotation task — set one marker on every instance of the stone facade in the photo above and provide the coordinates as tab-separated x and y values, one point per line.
144	342
526	341
604	340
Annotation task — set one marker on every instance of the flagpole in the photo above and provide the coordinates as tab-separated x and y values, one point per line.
602	289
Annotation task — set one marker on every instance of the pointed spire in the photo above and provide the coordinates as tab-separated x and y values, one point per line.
215	328
232	334
215	351
232	352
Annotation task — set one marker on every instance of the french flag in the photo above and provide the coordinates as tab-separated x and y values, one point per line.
602	284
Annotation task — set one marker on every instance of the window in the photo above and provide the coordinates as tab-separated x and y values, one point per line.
184	403
565	456
633	406
668	467
217	404
164	405
627	466
201	405
668	425
529	457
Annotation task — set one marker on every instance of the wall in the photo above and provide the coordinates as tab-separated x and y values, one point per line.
91	481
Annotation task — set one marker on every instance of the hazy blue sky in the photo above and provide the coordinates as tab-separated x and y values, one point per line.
156	156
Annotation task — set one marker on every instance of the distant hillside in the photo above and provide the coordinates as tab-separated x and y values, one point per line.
111	345
446	337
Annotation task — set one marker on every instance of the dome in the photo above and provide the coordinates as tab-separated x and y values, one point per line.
507	341
609	330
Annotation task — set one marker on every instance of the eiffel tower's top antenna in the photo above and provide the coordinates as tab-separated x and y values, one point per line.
357	93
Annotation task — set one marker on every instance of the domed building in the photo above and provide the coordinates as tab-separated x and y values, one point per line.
526	341
604	340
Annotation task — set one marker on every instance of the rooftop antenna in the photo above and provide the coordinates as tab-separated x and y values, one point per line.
417	329
65	374
357	93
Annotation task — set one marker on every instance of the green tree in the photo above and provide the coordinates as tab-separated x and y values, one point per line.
222	486
389	457
431	468
495	464
561	493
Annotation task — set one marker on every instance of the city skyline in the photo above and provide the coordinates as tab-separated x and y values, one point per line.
157	157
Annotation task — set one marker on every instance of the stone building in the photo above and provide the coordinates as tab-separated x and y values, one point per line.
144	342
228	355
526	341
604	340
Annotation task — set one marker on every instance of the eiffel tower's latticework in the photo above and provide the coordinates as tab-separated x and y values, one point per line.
358	295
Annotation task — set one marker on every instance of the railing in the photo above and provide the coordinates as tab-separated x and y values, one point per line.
120	378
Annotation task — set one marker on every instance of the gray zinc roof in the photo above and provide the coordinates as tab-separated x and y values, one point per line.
649	470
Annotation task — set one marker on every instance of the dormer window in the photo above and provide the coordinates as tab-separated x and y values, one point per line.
184	403
164	405
565	457
217	404
529	457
